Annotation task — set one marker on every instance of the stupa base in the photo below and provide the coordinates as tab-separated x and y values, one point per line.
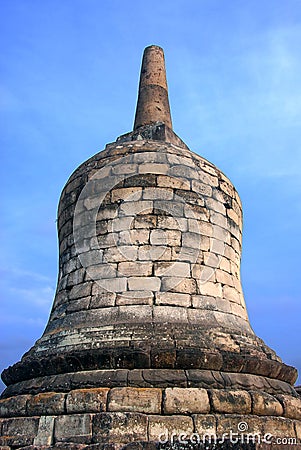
112	418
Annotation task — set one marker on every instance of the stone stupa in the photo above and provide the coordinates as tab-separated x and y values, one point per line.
148	344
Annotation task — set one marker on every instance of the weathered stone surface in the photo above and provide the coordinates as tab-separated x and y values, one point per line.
136	268
292	406
144	283
14	406
170	314
48	403
230	401
45	433
278	427
238	423
205	425
162	427
129	399
19	431
115	427
73	428
87	400
186	401
165	377
172	298
152	296
265	405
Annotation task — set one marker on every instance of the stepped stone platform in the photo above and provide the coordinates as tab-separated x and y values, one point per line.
148	344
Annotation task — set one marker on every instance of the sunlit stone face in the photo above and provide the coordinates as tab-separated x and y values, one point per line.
153	228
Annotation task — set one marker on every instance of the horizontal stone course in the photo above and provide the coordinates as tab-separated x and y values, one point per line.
177	400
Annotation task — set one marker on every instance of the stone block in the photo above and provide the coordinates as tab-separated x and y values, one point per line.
164	377
172	223
235	423
78	305
298	430
172	298
230	401
135	298
201	188
129	194
230	293
202	318
147	283
124	168
292	406
218	219
100	271
80	290
154	253
102	300
223	277
169	314
165	237
172	182
191	240
112	427
211	289
162	428
186	401
141	180
114	284
137	268
145	221
204	302
135	314
86	400
264	404
122	223
76	277
173	269
173	208
133	237
205	425
203	273
121	253
47	403
234	216
157	193
279	427
136	207
155	168
183	171
19	431
196	212
216	206
225	265
227	188
73	428
200	227
14	406
128	399
45	433
181	285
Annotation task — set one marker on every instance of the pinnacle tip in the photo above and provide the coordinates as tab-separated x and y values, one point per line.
153	103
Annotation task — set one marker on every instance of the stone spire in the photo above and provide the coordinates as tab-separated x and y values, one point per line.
153	103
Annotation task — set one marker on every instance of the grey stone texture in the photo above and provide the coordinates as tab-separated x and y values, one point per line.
149	333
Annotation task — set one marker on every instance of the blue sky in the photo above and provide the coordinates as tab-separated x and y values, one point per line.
69	76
